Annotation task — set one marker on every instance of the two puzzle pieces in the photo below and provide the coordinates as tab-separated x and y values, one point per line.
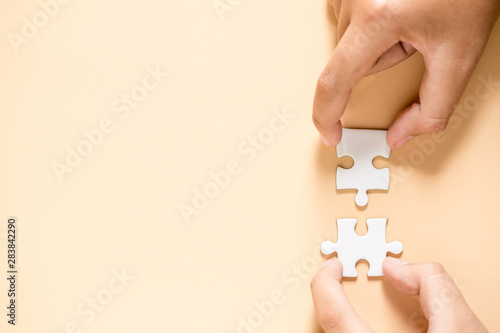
351	247
363	146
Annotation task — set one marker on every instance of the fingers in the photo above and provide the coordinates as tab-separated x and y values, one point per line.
351	60
336	7
334	312
442	87
408	278
343	17
440	299
396	54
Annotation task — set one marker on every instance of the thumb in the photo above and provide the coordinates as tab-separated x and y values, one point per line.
334	311
444	82
442	302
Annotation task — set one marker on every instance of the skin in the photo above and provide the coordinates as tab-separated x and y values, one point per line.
374	35
429	280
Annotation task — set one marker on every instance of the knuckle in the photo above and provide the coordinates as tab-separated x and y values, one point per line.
378	8
435	268
391	6
432	273
329	319
467	62
316	280
316	121
326	83
434	125
384	13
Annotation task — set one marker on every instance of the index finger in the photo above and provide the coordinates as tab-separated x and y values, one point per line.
352	59
334	311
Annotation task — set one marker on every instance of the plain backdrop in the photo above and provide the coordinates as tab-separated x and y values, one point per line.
104	244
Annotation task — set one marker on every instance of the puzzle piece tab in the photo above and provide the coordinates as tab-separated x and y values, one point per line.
363	146
351	248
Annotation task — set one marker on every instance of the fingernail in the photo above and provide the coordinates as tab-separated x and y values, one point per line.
403	142
395	261
328	263
325	141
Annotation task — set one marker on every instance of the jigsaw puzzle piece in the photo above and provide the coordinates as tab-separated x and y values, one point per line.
363	146
351	247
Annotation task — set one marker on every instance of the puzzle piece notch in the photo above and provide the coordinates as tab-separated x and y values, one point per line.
351	247
363	146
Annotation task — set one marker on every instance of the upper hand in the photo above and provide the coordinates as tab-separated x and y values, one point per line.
377	34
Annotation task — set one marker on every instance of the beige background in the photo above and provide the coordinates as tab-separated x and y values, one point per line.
119	209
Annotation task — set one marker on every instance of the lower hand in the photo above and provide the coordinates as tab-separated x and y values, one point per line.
429	280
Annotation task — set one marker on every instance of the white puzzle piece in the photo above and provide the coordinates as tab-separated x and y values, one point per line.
351	248
363	146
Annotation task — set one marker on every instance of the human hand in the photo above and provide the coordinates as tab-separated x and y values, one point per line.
429	280
377	34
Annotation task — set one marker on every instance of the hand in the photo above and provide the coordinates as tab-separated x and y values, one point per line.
377	34
429	280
